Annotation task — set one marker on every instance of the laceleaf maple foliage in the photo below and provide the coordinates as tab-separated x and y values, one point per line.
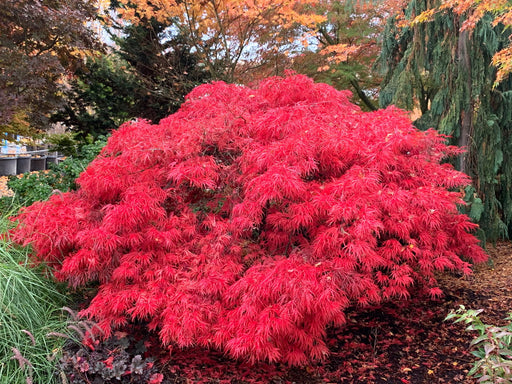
250	220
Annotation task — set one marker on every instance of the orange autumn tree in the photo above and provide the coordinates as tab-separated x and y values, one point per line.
227	34
334	41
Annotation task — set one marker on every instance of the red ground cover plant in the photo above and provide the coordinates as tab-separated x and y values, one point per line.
251	219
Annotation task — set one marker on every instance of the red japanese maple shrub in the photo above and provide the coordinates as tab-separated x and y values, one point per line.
252	218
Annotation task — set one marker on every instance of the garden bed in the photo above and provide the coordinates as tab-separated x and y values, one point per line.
399	343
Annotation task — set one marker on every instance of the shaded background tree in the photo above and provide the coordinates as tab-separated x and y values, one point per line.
147	74
40	42
100	97
163	64
446	75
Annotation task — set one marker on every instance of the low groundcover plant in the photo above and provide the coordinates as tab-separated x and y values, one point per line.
251	219
492	346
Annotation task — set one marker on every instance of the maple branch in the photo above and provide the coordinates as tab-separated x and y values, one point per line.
194	39
362	95
47	47
328	39
245	37
222	34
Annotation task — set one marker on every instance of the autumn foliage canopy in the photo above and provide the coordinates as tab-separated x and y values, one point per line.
251	219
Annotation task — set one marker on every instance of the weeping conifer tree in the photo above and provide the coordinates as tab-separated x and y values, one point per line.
446	75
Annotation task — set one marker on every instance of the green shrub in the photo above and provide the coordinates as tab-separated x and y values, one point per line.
493	347
66	143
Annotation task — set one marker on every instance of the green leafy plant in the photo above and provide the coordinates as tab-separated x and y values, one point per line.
494	346
474	208
66	143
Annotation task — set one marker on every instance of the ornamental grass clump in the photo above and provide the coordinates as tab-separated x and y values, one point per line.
30	308
251	219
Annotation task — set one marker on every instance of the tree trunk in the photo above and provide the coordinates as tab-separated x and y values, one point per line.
466	118
362	95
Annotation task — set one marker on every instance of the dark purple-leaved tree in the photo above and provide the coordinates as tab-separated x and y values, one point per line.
40	41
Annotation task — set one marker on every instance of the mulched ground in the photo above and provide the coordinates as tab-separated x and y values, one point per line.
4	191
